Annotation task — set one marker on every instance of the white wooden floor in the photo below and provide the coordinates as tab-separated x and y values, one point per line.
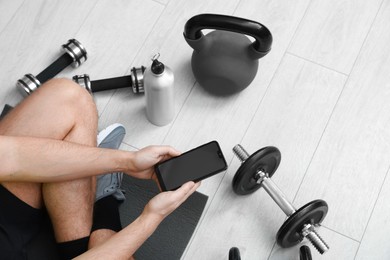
321	96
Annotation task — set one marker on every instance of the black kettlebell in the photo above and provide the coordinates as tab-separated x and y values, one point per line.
225	61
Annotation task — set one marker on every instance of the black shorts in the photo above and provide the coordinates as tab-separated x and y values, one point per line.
19	224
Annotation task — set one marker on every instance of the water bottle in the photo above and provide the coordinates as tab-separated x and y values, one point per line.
159	92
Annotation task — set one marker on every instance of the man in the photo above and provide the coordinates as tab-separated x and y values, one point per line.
49	158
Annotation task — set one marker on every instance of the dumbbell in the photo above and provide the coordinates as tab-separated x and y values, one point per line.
255	172
75	54
304	253
135	80
234	254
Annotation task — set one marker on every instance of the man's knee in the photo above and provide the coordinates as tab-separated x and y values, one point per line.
65	89
67	92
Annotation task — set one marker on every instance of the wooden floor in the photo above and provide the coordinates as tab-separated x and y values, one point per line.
321	96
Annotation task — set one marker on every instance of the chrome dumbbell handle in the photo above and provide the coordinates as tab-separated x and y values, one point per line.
134	80
266	183
315	239
276	194
75	54
262	178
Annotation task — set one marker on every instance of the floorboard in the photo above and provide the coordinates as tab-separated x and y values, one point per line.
333	32
378	229
7	11
350	164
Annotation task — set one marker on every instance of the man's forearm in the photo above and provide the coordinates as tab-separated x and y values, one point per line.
126	242
46	160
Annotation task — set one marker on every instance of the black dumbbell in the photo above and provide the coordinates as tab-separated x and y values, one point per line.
256	172
75	54
135	80
304	253
234	254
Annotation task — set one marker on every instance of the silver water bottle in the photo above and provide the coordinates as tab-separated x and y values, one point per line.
159	92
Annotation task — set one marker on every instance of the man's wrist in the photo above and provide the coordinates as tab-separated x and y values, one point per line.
123	160
150	220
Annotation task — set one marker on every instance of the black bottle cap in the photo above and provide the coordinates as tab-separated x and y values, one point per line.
157	67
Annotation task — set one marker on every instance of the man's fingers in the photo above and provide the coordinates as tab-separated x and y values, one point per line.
190	192
186	190
165	150
173	152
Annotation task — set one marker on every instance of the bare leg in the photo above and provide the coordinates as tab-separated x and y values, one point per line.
61	110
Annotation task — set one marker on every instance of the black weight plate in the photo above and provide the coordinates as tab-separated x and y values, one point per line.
266	159
305	253
234	254
312	213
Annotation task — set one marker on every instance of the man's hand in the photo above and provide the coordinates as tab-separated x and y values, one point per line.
144	160
128	240
165	203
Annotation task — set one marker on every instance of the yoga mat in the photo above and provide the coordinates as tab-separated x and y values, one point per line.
5	111
172	236
169	240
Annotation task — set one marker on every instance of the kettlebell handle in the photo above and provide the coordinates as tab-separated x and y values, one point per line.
263	37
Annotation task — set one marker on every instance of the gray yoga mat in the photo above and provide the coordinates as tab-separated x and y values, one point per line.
172	236
167	242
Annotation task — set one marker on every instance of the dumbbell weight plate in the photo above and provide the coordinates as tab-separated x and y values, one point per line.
266	159
234	254
304	253
313	213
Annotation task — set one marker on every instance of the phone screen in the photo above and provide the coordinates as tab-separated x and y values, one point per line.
194	165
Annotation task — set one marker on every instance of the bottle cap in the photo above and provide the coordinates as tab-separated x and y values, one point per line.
157	66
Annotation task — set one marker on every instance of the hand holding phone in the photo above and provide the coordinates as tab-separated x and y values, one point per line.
165	203
194	165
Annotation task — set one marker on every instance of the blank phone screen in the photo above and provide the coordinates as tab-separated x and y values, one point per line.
193	165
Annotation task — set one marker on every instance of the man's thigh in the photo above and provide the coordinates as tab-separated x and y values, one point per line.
60	110
47	113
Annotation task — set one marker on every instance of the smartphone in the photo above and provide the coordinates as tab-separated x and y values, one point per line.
194	165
